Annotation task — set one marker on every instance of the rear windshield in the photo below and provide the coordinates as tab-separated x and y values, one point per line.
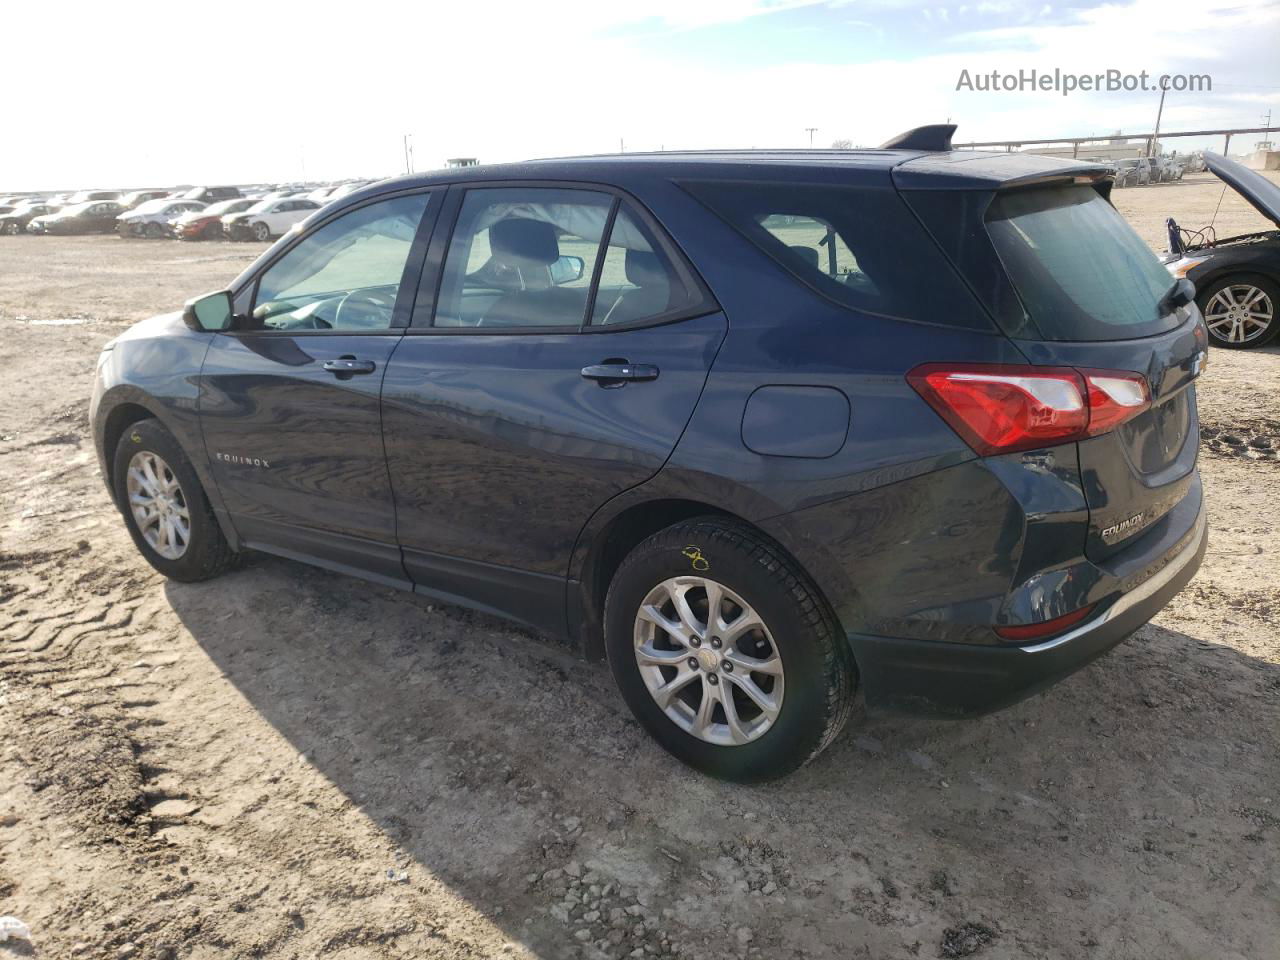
858	246
1080	270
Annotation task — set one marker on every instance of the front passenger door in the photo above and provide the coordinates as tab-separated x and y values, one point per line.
289	401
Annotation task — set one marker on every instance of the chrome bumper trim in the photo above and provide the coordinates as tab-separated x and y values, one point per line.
1135	596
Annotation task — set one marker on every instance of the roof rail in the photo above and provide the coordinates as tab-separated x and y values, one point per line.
933	136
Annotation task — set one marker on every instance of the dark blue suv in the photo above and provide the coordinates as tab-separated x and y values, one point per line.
758	427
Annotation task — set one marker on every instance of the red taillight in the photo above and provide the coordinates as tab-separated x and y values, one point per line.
1045	628
1004	408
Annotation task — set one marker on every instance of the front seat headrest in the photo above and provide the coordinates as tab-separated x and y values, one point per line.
524	243
644	269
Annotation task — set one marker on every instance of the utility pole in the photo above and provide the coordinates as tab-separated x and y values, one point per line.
812	131
408	155
1155	137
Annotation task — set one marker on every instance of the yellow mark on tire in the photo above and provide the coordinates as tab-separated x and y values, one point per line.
135	437
698	561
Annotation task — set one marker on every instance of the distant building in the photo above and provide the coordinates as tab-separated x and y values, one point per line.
1264	157
462	162
1109	149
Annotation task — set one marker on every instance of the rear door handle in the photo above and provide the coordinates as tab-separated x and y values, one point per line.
346	367
617	373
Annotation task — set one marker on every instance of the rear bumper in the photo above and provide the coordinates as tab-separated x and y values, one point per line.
959	679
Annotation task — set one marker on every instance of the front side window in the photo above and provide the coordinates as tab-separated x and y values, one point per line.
345	275
522	257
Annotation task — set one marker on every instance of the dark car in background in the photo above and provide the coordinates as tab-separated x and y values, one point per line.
89	217
14	220
758	427
1237	278
206	224
136	198
211	194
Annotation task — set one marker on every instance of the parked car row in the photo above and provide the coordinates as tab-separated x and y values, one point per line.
192	213
1141	171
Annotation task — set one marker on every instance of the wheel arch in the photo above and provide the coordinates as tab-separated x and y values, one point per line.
608	539
125	406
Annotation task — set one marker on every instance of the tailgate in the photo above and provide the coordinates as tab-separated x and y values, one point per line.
1135	474
1068	280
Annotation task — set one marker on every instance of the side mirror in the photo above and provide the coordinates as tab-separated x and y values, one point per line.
567	269
210	313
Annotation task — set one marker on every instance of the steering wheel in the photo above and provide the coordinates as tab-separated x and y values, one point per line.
364	309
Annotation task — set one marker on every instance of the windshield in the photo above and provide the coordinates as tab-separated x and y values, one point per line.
1079	268
151	206
262	206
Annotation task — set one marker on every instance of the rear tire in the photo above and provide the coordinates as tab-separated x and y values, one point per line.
790	681
164	506
1235	305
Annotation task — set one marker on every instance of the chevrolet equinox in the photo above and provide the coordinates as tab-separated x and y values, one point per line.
757	427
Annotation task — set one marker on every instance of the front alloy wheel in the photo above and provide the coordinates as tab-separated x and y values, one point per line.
261	232
159	506
1240	314
708	661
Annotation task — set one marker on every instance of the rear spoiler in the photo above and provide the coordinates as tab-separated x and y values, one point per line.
974	170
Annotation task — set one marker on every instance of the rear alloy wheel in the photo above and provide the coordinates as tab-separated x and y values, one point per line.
725	652
261	232
1240	311
708	660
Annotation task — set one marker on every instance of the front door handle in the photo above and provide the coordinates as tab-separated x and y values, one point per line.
615	373
344	368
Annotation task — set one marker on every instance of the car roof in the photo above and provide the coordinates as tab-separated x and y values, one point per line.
918	169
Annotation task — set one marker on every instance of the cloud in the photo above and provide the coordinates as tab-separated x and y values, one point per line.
510	81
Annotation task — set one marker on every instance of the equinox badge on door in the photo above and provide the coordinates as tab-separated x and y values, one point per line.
243	461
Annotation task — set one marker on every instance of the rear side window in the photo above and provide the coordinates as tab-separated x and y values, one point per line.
637	280
858	246
1081	271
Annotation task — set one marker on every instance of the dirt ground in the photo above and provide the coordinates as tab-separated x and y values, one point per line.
286	763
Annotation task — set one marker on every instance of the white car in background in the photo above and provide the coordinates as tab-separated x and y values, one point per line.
154	219
268	218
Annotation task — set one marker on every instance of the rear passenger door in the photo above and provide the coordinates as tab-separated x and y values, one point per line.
553	361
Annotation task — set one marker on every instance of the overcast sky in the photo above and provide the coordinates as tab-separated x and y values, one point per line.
141	94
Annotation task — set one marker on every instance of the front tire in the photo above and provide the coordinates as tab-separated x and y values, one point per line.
164	506
1240	311
725	651
261	232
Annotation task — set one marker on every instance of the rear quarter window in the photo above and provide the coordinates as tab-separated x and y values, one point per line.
860	247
